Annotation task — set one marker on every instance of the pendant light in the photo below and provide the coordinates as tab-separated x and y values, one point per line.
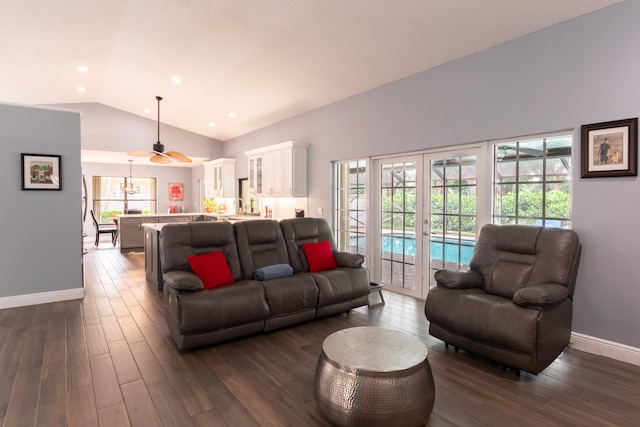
130	187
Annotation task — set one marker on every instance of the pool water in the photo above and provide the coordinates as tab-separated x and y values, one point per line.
449	250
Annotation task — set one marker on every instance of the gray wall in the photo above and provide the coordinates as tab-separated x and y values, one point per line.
41	236
579	72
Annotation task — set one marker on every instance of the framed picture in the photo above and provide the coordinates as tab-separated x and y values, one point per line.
41	172
176	192
610	149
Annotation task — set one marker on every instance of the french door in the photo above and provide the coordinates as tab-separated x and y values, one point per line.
428	217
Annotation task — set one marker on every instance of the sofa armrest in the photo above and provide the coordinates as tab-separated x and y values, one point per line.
348	259
182	281
459	279
540	295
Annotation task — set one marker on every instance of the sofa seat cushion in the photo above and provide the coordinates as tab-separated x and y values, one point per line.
223	307
288	295
341	284
490	319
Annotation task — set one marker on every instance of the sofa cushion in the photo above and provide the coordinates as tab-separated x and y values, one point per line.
341	284
508	278
223	307
485	318
319	256
289	295
178	241
212	269
297	231
260	243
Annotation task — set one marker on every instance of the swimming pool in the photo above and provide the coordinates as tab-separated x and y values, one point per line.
449	250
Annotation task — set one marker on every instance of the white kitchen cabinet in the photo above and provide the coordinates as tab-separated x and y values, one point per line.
278	170
255	175
272	174
294	171
219	178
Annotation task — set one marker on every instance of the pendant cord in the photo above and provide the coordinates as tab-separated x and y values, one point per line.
159	99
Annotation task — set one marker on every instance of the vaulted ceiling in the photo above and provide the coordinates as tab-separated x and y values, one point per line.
262	60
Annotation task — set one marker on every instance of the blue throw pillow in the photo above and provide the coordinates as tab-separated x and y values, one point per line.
273	272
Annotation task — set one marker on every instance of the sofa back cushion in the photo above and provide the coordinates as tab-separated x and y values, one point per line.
260	244
511	257
297	231
178	241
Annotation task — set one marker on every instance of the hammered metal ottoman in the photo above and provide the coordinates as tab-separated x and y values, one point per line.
370	376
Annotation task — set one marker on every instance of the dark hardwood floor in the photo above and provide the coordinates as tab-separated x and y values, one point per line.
109	360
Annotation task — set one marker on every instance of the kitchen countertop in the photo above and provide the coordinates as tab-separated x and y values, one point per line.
208	214
230	218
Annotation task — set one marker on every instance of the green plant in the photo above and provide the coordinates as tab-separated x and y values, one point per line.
106	217
210	205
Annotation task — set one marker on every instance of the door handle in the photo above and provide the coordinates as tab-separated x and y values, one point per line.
425	233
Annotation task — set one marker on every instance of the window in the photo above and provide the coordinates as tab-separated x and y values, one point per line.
350	205
532	181
110	197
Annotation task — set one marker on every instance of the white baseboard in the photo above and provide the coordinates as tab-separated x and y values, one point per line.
41	298
600	347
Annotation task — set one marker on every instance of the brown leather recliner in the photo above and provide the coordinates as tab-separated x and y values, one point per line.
514	305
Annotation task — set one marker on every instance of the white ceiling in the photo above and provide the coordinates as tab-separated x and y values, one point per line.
265	60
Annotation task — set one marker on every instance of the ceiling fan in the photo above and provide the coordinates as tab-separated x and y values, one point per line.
158	154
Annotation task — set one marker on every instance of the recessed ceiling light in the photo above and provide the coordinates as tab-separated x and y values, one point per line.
83	68
81	89
148	111
232	114
211	124
176	79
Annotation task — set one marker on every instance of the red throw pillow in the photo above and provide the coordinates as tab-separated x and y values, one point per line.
212	269
319	256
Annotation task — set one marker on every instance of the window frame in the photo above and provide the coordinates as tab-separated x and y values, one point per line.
359	214
125	199
543	219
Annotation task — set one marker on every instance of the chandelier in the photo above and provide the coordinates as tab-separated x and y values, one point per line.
130	187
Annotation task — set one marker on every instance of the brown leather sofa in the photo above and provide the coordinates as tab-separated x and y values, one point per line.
514	305
197	317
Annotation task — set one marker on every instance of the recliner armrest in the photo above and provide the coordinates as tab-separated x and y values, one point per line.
182	281
458	279
540	295
348	259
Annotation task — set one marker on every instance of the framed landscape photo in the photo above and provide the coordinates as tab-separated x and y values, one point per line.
41	172
610	149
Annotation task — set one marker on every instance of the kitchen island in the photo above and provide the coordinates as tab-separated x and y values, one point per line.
131	232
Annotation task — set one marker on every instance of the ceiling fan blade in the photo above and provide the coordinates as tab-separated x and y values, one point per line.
178	156
139	153
156	158
158	155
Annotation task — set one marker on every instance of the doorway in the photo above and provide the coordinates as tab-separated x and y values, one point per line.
427	217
